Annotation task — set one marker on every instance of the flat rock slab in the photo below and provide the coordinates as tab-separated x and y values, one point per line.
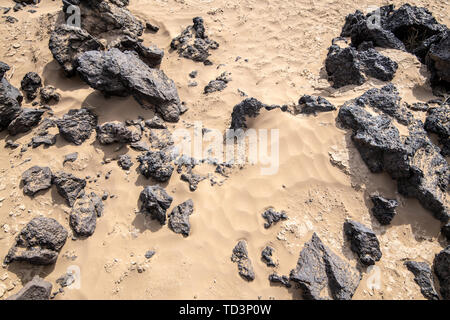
68	186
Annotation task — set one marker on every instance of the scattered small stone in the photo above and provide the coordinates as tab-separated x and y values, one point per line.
272	216
240	256
383	209
363	242
179	218
71	157
266	256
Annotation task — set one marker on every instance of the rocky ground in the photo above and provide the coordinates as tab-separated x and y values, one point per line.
94	203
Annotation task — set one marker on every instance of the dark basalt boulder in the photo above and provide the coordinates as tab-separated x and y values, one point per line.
438	62
114	72
36	289
125	162
363	242
320	271
240	256
161	139
10	99
284	280
424	278
271	216
438	122
68	186
314	104
36	179
151	55
383	209
155	123
155	202
445	230
266	256
156	165
46	140
25	120
193	43
30	84
76	125
49	94
179	218
71	157
249	107
117	132
193	179
441	266
83	217
349	66
219	83
67	43
39	242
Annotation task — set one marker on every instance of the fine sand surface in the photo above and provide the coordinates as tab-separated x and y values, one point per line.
285	43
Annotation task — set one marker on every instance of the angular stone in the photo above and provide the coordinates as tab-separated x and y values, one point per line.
68	186
49	94
240	256
36	179
438	122
155	202
218	84
36	289
249	107
117	132
313	104
76	125
47	140
441	266
10	99
266	256
125	162
156	165
179	218
30	83
383	209
284	280
363	242
272	216
83	217
424	278
25	120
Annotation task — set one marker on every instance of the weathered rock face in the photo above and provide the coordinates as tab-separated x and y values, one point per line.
155	123
272	216
36	289
266	256
76	125
179	218
155	202
122	73
30	83
313	104
351	66
10	99
161	139
36	179
25	120
363	242
49	94
240	256
424	278
219	83
445	230
318	268
284	280
152	55
39	242
125	162
438	61
156	165
117	132
46	140
193	179
83	218
249	107
383	209
438	122
68	186
193	43
420	170
441	266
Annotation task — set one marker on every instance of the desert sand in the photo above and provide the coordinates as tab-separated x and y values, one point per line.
285	44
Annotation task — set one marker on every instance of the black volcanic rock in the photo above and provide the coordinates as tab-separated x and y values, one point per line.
36	179
68	186
76	125
424	278
25	120
445	230
48	94
249	107
30	83
156	165
219	83
441	266
438	122
363	242
383	209
179	218
125	162
319	271
240	256
10	99
39	242
36	289
266	256
155	202
314	104
117	132
83	217
284	280
271	216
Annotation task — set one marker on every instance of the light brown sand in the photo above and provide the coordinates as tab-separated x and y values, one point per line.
285	43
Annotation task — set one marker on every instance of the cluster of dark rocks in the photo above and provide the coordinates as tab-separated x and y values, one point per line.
219	83
408	28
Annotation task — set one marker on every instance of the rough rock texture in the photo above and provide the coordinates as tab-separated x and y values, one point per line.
36	179
240	256
76	125
219	83
152	56
68	186
284	280
39	242
10	99
441	266
125	162
266	256
383	209
114	72
351	66
30	83
83	217
363	242
445	230
193	43
117	132
272	216
249	107
155	202
25	120
179	218
313	104
438	122
156	165
155	123
320	271
161	139
420	170
438	61
47	140
71	157
49	94
36	289
424	278
193	179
